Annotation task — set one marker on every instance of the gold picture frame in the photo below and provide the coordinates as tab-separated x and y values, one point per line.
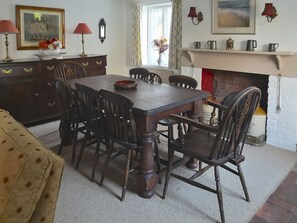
37	24
233	16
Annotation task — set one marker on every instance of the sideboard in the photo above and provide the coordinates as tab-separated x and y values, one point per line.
27	87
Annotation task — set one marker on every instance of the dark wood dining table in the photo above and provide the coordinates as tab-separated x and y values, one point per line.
152	102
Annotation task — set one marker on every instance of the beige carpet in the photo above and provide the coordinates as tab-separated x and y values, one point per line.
82	201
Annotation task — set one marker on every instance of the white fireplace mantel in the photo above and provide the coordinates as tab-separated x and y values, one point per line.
258	62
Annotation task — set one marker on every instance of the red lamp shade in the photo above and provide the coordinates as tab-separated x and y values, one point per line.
82	28
268	10
6	26
192	12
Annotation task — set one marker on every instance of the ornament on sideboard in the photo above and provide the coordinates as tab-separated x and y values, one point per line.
7	27
82	28
230	44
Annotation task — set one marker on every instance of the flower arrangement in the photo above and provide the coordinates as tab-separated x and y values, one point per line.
161	44
52	44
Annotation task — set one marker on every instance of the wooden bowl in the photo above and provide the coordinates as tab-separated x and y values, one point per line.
125	85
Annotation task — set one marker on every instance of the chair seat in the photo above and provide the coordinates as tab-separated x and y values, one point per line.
200	150
166	122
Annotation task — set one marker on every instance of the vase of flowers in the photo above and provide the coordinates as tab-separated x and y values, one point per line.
50	47
161	45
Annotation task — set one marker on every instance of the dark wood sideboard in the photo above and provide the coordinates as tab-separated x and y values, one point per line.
27	87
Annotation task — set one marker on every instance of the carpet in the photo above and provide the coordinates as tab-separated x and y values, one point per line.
83	201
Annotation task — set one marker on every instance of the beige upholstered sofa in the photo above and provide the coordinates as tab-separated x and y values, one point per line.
30	175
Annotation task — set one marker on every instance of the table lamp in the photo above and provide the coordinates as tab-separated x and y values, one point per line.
6	26
82	28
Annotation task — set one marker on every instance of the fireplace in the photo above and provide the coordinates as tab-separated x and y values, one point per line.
226	82
274	73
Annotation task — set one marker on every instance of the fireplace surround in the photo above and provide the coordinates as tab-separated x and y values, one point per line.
275	73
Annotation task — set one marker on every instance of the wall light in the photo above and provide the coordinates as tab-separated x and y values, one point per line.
192	14
82	28
102	30
6	26
269	11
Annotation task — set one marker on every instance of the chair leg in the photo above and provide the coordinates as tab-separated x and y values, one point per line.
247	197
168	172
60	147
107	160
75	135
95	160
157	157
82	149
219	193
126	174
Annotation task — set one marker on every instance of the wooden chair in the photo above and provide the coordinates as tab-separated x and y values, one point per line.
137	72
90	104
152	78
121	130
178	81
71	118
215	146
183	81
69	70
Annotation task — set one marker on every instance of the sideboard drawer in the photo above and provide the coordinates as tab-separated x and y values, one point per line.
94	65
17	73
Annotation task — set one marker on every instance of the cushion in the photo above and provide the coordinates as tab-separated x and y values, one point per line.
30	175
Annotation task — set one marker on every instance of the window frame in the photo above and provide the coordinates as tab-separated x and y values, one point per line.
150	58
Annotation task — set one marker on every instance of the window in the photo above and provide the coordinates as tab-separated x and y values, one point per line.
156	22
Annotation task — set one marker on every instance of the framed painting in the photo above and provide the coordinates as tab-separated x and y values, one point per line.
233	16
37	24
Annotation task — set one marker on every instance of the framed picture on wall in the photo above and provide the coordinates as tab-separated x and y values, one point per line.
233	16
38	24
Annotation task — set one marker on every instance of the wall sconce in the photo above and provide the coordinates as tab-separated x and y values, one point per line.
269	12
82	28
102	30
192	14
6	26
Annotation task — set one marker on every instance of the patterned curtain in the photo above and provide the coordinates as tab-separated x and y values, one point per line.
136	41
175	46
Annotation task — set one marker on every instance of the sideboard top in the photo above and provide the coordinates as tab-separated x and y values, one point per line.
25	60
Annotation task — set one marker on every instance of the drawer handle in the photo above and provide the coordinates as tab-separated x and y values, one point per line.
85	64
28	70
7	71
51	104
50	67
99	62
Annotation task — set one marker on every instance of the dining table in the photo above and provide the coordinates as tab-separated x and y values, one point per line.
152	103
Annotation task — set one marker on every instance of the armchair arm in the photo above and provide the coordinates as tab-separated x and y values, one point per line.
196	124
216	105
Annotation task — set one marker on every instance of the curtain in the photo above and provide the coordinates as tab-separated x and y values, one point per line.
175	42
136	39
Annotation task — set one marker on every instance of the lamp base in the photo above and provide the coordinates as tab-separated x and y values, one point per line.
7	59
83	55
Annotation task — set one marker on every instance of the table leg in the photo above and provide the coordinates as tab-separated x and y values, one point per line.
147	177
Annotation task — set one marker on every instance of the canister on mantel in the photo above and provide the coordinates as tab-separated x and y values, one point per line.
256	133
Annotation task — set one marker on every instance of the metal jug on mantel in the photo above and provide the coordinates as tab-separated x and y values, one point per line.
251	45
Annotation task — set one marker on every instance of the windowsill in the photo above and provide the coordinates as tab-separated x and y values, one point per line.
156	67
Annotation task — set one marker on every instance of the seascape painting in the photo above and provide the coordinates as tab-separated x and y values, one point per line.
234	13
234	16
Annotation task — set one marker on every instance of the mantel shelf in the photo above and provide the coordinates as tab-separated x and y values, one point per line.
278	55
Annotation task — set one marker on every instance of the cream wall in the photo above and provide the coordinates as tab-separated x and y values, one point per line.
113	11
282	29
